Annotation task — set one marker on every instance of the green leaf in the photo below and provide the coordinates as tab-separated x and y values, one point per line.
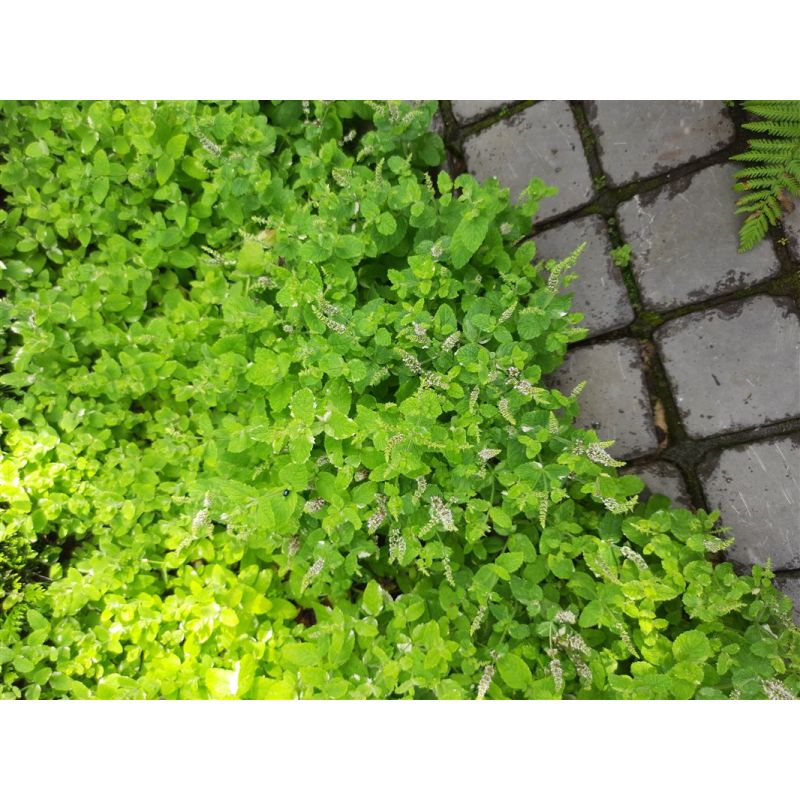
267	689
294	476
561	567
630	485
386	224
340	426
100	189
222	684
36	620
510	561
514	671
37	149
500	517
430	149
176	145
350	247
164	169
194	168
326	488
372	600
532	322
300	654
251	259
445	319
467	238
267	368
23	664
303	406
692	646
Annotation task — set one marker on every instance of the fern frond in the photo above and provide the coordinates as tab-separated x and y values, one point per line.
772	145
791	181
774	110
793	168
776	156
767	145
775	172
754	184
771	171
753	230
786	129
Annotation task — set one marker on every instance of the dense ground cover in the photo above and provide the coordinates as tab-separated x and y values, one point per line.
273	425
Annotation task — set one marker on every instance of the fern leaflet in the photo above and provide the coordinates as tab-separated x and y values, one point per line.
773	174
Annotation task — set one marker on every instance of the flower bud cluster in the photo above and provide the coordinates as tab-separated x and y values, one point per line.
312	573
505	411
377	518
390	445
477	620
441	513
633	556
397	546
451	341
485	681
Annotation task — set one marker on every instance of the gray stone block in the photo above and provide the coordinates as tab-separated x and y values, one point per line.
757	489
684	238
792	227
615	401
735	366
469	110
661	477
541	141
599	291
639	138
790	586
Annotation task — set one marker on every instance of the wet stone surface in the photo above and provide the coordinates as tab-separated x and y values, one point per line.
734	366
640	138
791	225
684	239
598	291
660	477
470	110
757	489
541	141
614	402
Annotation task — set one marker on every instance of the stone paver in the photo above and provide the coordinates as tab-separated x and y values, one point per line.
791	225
598	292
639	138
790	586
469	110
541	141
684	239
757	489
615	401
735	366
661	477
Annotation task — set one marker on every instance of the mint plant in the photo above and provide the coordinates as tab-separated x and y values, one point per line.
274	426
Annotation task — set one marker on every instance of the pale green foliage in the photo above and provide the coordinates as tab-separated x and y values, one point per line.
274	423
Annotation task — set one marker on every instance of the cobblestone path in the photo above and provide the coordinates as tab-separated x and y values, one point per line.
693	352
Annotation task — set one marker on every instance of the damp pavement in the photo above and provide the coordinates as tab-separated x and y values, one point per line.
693	350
